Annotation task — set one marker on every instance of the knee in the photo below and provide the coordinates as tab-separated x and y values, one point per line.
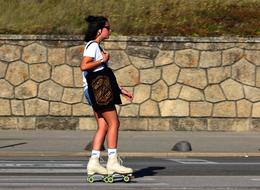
102	127
115	124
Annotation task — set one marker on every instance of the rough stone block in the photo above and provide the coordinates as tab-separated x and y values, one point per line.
149	108
217	75
36	107
244	108
5	108
256	124
200	109
258	77
63	75
8	123
141	63
115	45
118	59
87	123
189	124
26	123
228	125
3	68
141	93
232	90
213	93
142	52
252	93
72	95
256	110
134	124
78	78
174	91
49	90
82	109
210	59
17	73
231	56
170	74
34	53
26	90
57	123
129	110
164	58
128	76
159	91
191	94
17	107
224	109
74	55
213	46
187	58
193	77
253	57
10	52
243	71
56	56
150	76
60	109
174	108
40	72
8	91
159	124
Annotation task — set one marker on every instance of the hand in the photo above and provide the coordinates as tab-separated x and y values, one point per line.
128	95
105	56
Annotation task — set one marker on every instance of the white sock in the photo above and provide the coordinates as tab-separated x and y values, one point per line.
111	151
95	153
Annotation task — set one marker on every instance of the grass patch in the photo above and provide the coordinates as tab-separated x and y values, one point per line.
133	17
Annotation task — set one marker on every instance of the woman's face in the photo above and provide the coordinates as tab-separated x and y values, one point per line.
105	32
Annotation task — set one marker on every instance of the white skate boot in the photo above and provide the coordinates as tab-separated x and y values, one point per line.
95	171
116	171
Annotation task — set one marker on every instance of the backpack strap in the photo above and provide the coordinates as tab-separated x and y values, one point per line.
101	49
93	41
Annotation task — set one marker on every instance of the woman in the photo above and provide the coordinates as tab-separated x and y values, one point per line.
102	93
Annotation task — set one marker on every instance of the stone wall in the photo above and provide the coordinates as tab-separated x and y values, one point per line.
208	84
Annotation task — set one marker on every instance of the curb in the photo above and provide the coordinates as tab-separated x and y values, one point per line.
130	154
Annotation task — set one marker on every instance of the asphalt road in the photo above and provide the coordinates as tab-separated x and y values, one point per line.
150	173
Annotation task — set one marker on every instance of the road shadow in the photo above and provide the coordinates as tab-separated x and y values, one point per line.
149	171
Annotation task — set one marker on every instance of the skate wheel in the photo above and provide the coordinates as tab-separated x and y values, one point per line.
110	179
90	179
126	179
106	179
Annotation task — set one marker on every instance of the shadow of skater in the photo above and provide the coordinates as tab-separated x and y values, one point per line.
149	171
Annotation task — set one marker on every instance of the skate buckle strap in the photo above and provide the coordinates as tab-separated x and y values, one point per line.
120	160
101	159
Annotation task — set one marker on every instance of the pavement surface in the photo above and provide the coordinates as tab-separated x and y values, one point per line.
131	143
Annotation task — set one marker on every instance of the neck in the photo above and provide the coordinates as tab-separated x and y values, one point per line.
98	39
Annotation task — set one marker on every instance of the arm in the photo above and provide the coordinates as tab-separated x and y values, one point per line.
87	63
128	95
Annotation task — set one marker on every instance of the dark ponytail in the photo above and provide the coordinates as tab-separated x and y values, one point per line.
94	24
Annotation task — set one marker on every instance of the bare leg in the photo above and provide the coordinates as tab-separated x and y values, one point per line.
101	132
112	121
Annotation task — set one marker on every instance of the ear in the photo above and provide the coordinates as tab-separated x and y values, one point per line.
99	31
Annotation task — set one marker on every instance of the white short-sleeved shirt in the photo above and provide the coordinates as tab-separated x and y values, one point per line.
93	51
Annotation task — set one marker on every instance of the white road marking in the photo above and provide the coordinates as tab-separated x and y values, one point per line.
192	161
42	170
255	179
207	162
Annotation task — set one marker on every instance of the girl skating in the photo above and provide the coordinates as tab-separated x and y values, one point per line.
102	93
